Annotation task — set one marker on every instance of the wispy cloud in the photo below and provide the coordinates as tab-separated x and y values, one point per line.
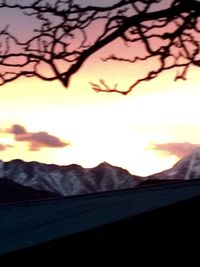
36	140
3	147
178	149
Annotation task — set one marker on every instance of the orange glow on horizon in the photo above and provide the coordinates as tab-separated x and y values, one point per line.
99	126
102	127
122	130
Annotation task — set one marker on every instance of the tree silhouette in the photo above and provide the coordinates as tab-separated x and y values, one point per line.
67	33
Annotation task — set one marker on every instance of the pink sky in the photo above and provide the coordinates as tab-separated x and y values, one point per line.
141	132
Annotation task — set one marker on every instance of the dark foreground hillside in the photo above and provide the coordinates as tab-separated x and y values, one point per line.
14	192
168	233
153	238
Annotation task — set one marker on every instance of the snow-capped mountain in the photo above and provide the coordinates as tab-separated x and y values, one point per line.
185	169
68	180
75	180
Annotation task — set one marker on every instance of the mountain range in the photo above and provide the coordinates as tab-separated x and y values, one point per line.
21	180
185	169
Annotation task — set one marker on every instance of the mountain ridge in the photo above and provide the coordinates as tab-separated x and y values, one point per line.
68	179
73	179
185	169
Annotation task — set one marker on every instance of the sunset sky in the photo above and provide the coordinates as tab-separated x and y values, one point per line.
145	132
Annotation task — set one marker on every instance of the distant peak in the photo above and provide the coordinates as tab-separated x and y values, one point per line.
17	161
104	164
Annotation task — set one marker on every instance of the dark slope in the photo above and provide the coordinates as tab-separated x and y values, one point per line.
32	223
150	182
13	192
154	238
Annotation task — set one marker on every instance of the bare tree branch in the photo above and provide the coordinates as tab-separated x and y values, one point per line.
168	33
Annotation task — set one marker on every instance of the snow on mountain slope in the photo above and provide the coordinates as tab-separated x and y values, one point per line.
185	169
68	180
75	180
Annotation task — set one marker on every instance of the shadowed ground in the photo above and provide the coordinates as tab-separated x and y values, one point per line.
103	229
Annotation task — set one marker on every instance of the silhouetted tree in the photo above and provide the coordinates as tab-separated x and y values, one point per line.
68	32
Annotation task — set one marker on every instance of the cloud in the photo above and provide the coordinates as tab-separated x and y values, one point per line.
178	149
17	129
39	140
36	140
2	147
